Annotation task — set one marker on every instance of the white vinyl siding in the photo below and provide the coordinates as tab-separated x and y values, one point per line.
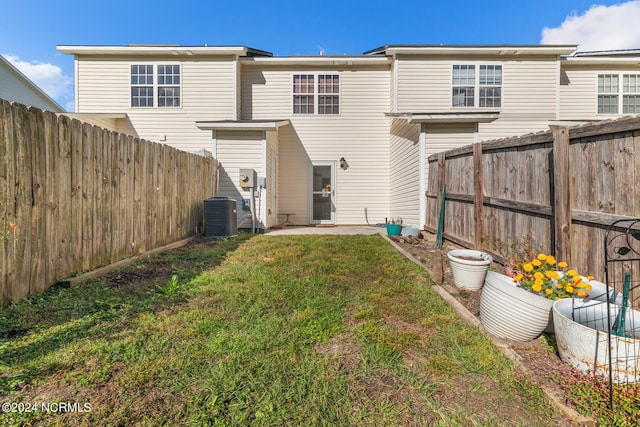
207	94
235	151
405	172
579	90
360	134
529	91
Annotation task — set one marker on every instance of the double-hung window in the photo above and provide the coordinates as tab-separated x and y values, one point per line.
608	86
142	86
618	93
316	94
155	85
476	86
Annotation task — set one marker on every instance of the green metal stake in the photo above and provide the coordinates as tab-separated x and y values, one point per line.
441	218
618	325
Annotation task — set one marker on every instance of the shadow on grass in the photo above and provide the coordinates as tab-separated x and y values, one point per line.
99	308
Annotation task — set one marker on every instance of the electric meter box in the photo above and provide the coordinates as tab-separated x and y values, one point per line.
248	178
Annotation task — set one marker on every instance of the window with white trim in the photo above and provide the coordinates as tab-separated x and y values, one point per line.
155	85
316	94
612	86
471	89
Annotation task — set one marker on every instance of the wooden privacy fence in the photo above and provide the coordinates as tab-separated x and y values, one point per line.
74	197
562	188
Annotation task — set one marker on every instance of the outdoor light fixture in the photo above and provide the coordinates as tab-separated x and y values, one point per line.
343	164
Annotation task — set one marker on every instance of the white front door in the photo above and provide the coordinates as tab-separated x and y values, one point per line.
323	206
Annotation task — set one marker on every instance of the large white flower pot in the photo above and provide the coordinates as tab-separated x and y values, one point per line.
507	311
581	336
469	268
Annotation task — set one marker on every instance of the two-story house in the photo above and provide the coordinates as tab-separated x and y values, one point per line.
343	139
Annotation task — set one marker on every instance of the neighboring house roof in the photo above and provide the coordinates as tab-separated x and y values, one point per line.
433	49
155	49
16	87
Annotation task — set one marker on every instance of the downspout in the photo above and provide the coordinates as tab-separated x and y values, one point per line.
394	107
236	64
263	189
214	149
558	77
76	103
422	162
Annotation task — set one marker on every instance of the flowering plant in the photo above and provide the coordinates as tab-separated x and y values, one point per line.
544	277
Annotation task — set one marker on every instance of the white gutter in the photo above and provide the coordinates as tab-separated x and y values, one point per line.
483	50
316	60
153	50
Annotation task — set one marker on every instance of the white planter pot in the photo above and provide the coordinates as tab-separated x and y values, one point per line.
581	336
467	273
507	311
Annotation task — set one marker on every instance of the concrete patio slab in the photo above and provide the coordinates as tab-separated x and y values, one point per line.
338	230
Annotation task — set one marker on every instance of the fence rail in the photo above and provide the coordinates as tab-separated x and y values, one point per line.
74	197
562	188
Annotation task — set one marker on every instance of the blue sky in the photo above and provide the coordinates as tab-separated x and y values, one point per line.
31	29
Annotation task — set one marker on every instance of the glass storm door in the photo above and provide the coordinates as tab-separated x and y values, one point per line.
323	209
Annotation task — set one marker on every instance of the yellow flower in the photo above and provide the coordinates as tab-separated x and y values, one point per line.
562	264
542	256
577	279
528	268
517	277
536	263
582	294
590	277
550	260
569	289
548	291
536	287
572	273
538	275
538	282
559	285
587	287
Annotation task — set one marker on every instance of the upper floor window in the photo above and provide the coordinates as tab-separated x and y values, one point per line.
611	86
155	85
481	89
316	94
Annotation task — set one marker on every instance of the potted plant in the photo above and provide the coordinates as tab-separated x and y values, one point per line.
469	268
519	308
394	226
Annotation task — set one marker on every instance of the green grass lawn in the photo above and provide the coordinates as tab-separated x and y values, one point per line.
264	330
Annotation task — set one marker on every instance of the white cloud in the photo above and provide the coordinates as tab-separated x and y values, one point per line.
48	77
599	28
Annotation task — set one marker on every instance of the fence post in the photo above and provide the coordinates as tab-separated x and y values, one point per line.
478	200
560	190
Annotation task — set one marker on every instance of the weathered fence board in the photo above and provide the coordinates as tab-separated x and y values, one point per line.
561	188
83	197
